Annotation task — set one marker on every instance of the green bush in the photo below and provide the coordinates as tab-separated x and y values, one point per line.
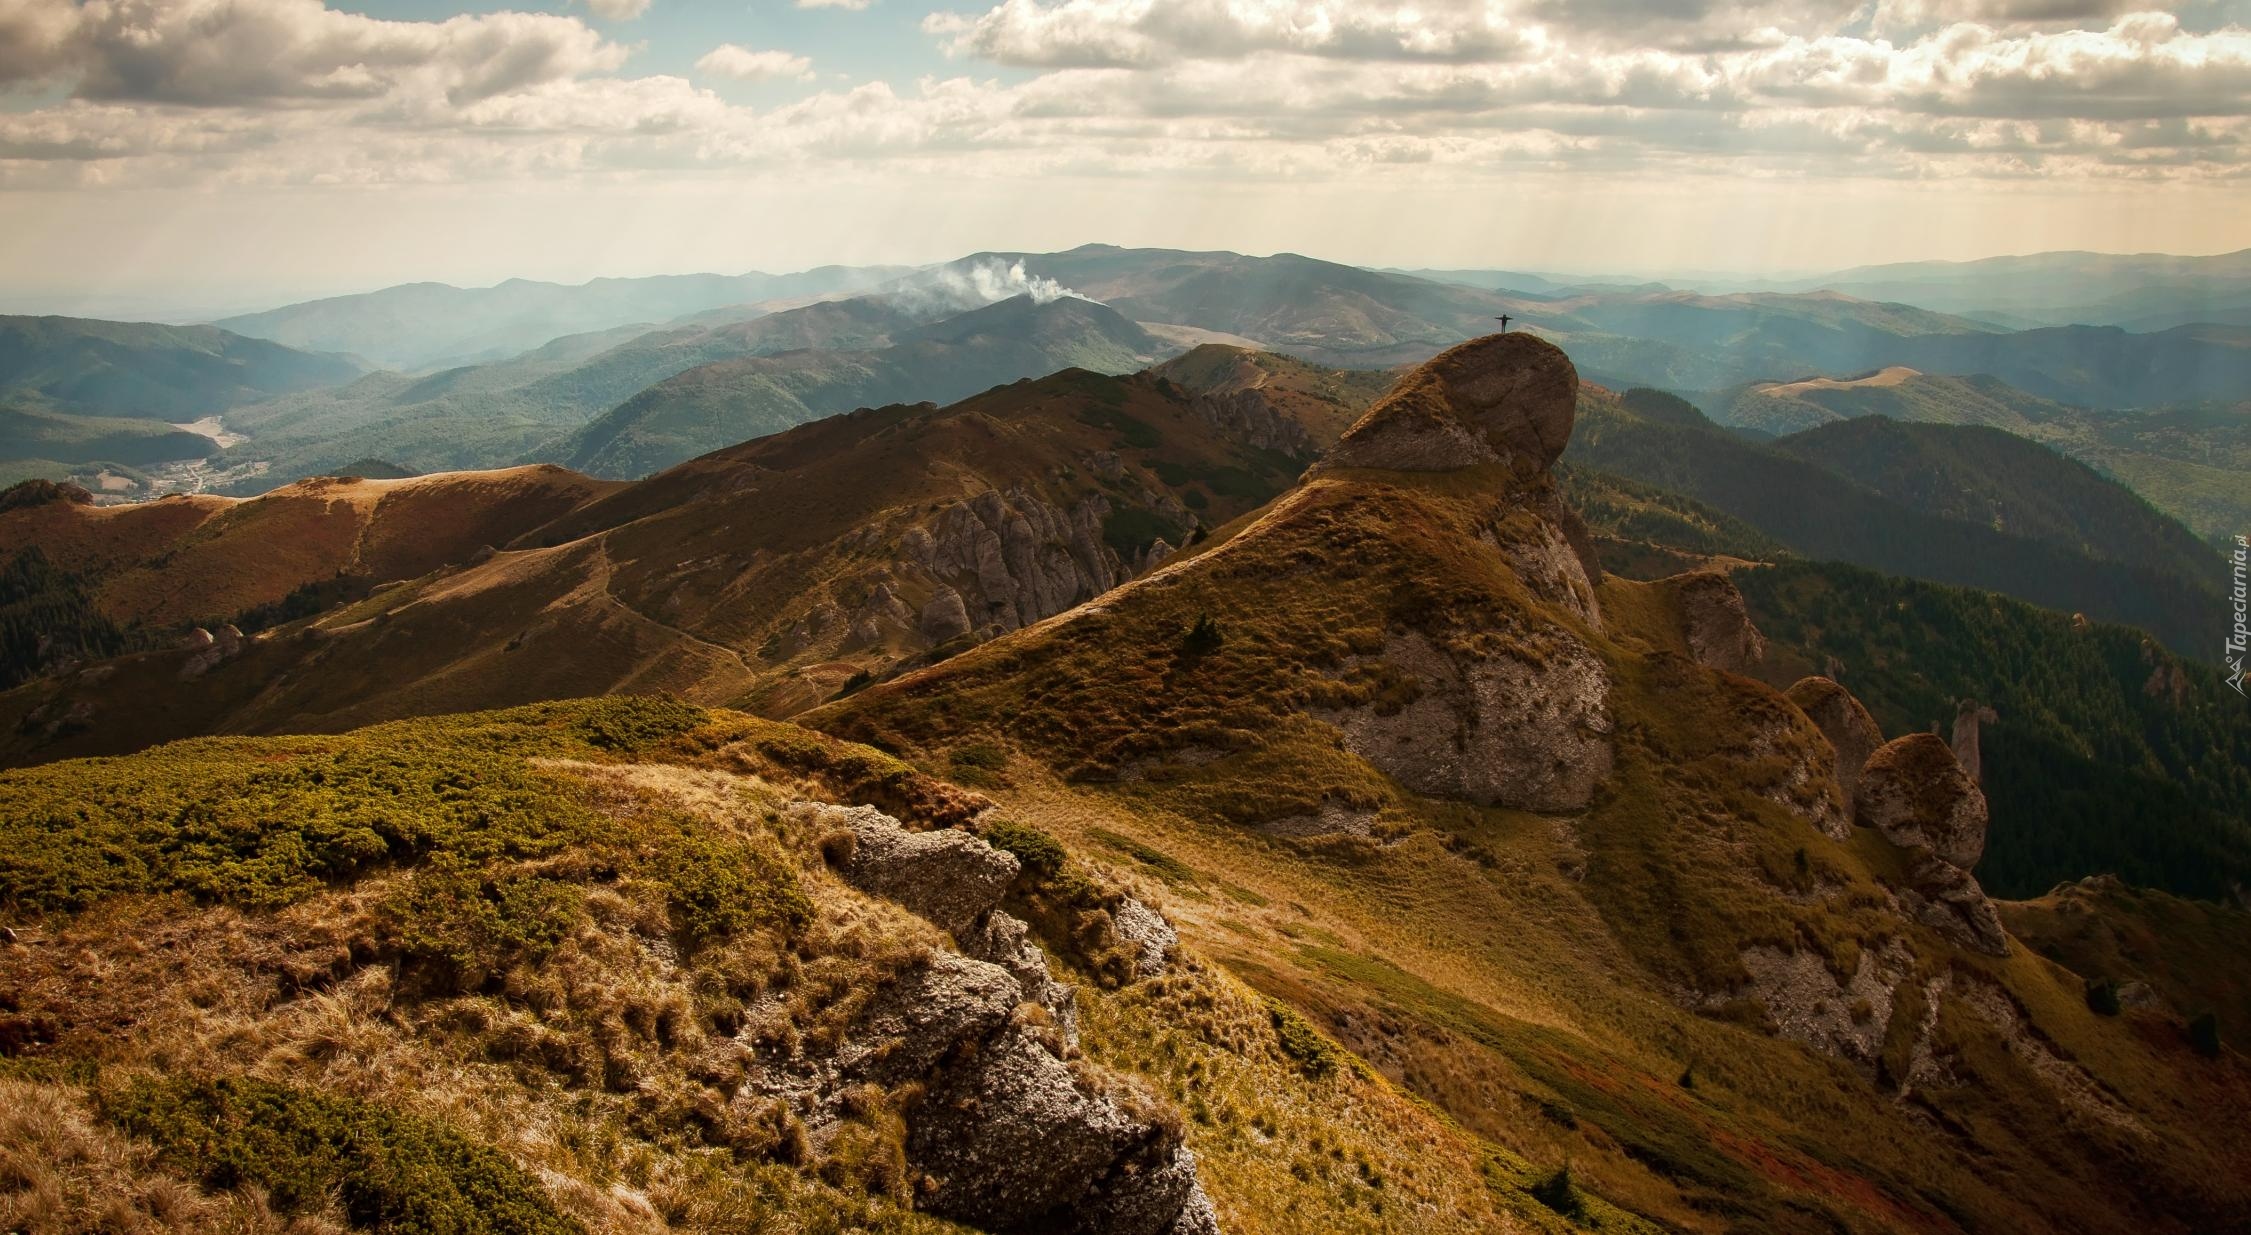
1041	855
2102	997
718	885
391	1172
1558	1193
2204	1035
460	928
1300	1040
638	722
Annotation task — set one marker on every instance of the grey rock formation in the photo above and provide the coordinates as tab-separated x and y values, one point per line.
209	650
1947	899
1508	398
1851	731
1010	1133
1530	731
949	877
1004	940
1250	417
1014	559
1967	751
1914	792
1151	937
1715	621
944	616
1015	1139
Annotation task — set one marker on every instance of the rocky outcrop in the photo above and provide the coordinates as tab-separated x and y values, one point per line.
207	651
1531	731
1914	792
947	876
1250	417
1014	559
1715	621
1012	1132
1851	731
1806	1002
1967	749
1507	398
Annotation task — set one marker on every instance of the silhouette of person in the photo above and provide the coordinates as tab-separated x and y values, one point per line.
1504	319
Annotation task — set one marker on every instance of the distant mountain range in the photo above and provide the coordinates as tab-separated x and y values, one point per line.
150	372
1954	505
719	404
426	325
2189	461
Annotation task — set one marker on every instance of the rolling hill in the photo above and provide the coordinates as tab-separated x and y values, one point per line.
501	413
1978	475
1664	441
719	404
149	372
770	574
2185	460
426	325
181	561
2138	291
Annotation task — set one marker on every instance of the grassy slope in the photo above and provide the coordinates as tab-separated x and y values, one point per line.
186	560
572	1042
690	582
1514	969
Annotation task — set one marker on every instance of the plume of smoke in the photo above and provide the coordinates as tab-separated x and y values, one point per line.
982	283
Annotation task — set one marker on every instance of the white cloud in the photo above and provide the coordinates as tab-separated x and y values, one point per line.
618	10
741	63
855	6
291	92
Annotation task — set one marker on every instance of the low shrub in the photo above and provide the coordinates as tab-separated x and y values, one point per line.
391	1172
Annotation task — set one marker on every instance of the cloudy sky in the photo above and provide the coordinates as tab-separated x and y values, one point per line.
228	151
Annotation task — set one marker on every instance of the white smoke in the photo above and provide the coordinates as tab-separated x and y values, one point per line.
981	283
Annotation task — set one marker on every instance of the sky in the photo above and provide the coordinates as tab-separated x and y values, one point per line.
230	154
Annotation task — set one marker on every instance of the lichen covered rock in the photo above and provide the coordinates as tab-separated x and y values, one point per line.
1914	792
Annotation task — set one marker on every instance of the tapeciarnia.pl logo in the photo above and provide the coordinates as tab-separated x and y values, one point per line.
2240	636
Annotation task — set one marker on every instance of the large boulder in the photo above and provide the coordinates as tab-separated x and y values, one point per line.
1015	1139
1505	398
1851	731
1914	792
947	876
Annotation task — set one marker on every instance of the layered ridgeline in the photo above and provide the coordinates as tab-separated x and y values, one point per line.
2188	461
499	413
148	372
770	574
1951	504
1523	837
720	404
425	325
1380	864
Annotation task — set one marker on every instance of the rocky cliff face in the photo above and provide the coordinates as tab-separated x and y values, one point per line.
1851	731
1515	717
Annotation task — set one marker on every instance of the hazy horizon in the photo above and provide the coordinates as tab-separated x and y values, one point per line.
262	151
191	305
